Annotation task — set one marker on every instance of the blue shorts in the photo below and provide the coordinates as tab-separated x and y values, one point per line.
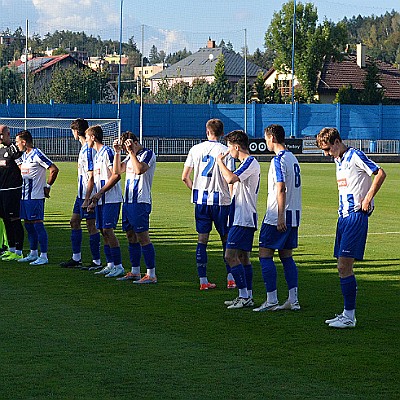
135	217
107	215
32	210
207	215
241	238
351	236
82	211
271	238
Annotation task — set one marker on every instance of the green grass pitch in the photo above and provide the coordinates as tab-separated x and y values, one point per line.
68	334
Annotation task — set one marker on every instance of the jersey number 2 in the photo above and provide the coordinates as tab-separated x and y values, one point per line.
210	160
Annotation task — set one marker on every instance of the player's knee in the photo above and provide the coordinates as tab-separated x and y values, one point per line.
75	223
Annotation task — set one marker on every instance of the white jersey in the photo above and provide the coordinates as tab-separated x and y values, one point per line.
245	193
138	187
85	165
33	170
284	168
209	186
353	174
103	163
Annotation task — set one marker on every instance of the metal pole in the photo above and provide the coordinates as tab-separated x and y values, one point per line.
26	76
120	62
245	80
292	133
141	91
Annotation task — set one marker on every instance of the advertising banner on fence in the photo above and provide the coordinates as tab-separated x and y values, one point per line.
258	146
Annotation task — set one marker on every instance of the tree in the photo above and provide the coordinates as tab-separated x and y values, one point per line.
77	85
177	56
346	95
373	91
199	93
312	43
279	36
11	85
154	56
239	92
259	87
220	89
381	34
262	59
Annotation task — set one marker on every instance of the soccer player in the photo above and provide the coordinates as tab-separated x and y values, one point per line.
85	189
356	203
243	215
279	230
210	194
10	195
33	164
139	166
106	201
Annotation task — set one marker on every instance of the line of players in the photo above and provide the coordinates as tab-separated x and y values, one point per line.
224	196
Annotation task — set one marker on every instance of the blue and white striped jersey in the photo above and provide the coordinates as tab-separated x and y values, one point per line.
33	170
209	186
245	194
85	164
353	174
284	168
103	164
138	187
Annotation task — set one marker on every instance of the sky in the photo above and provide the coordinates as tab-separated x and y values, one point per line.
171	25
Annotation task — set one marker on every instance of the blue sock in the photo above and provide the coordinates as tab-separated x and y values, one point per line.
149	256
42	236
239	276
291	273
32	236
201	260
116	255
94	242
76	240
269	274
107	252
349	291
227	266
135	254
248	271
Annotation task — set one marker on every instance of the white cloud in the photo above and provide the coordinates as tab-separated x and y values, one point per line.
91	16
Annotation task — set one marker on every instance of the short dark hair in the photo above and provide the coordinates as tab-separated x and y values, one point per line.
80	125
128	135
238	137
26	135
216	126
276	131
327	135
97	132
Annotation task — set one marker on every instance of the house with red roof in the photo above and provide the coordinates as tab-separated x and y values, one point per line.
43	67
351	70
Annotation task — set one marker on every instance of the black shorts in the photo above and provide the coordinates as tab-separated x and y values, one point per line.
10	203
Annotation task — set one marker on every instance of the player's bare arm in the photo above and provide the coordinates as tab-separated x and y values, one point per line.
53	170
228	175
281	199
186	179
379	178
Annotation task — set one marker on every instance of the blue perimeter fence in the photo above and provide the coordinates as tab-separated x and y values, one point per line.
374	128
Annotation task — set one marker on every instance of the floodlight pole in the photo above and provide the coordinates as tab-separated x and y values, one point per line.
141	91
292	133
120	63
26	76
245	80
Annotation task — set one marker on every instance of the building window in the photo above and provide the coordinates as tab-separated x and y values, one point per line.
285	87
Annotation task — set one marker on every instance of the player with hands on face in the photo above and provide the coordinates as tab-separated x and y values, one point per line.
139	166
